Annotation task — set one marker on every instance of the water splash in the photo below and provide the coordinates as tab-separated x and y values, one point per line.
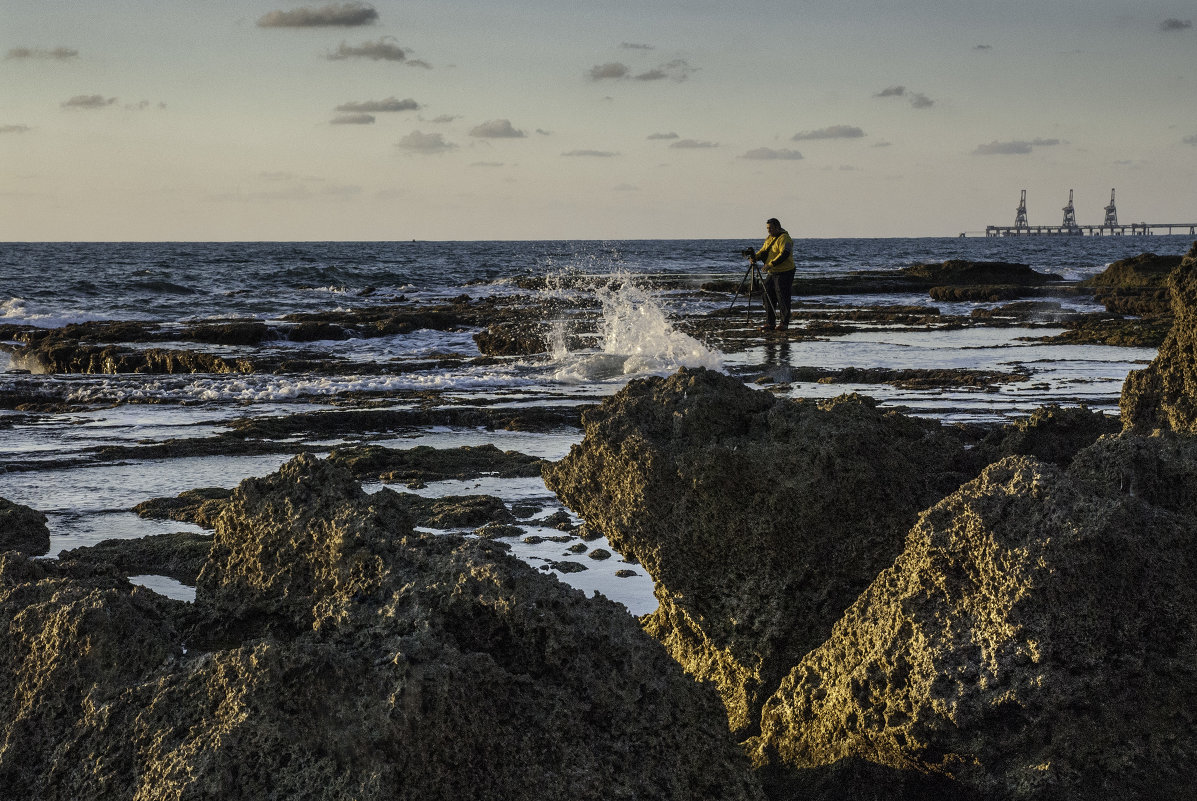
637	340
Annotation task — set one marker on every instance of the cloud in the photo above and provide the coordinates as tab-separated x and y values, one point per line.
497	129
1014	147
831	132
88	101
920	100
418	142
57	54
891	91
13	129
442	119
626	188
693	144
1172	24
344	15
354	119
1190	140
610	70
769	154
983	47
669	135
383	50
487	164
379	106
676	70
632	46
917	99
601	154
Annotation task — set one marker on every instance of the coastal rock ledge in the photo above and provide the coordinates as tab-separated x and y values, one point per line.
1028	633
332	652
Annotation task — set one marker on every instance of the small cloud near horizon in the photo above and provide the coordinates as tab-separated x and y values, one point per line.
14	129
418	142
608	71
693	144
891	91
983	47
1190	140
57	54
343	15
390	104
88	101
354	119
601	154
1173	24
497	129
917	99
830	132
384	49
634	46
1013	147
670	135
769	154
920	100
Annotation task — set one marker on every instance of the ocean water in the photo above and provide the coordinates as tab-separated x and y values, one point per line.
656	287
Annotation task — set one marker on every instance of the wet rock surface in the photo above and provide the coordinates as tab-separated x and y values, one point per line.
23	529
332	647
180	555
1034	639
759	520
431	464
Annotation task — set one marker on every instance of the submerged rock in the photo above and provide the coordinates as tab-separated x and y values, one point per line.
1036	639
334	652
760	520
23	529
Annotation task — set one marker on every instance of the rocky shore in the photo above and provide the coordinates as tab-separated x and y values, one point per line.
853	602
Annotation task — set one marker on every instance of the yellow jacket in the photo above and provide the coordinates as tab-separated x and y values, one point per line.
772	251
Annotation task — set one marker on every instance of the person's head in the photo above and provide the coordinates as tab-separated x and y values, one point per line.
773	226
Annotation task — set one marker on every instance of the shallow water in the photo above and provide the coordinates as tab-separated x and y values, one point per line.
638	335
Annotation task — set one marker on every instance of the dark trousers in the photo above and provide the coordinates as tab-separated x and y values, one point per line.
778	287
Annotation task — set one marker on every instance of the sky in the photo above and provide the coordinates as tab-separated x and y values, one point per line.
130	120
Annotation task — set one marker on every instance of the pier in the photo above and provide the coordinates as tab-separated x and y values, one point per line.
1069	227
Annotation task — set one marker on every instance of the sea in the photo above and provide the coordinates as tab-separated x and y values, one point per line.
54	284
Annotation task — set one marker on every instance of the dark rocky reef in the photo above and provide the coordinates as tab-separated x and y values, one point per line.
1036	638
57	356
332	652
1164	395
180	555
23	529
199	506
1137	285
426	463
759	520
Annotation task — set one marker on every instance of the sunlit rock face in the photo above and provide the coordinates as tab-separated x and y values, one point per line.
760	520
1035	639
1164	395
333	652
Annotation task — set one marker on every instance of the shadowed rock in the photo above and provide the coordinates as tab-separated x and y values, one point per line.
199	506
760	520
1036	639
332	652
23	529
1135	286
180	555
431	464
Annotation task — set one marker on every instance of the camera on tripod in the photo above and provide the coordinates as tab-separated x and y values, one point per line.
748	252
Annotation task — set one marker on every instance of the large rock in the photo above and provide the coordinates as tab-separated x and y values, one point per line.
1135	286
760	520
333	653
23	529
1164	395
1036	639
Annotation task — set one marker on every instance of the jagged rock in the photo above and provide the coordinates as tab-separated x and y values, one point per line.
1135	286
23	529
1036	639
233	332
433	464
1052	433
760	520
332	652
982	293
1164	395
199	506
955	272
511	340
57	356
180	555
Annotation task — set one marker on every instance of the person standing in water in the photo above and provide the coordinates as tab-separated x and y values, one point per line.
777	256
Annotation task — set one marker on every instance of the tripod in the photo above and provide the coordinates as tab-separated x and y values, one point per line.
754	279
